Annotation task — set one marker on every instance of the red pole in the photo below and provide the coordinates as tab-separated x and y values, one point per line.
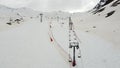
51	39
74	63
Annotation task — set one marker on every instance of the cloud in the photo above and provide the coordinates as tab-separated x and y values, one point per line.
88	6
64	5
15	3
40	5
52	5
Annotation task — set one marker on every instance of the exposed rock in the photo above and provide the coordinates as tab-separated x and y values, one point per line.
110	13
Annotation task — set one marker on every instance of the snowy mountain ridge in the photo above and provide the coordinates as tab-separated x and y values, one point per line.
101	21
9	15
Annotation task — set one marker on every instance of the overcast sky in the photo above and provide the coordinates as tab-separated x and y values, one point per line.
52	5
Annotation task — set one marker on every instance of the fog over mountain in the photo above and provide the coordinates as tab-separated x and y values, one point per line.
52	5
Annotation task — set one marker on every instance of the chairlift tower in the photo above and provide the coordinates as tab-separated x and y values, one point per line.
41	16
73	42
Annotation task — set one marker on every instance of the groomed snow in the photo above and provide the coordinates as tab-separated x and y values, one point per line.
29	46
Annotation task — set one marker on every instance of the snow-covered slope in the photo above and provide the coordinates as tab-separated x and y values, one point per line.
11	17
98	31
103	22
30	46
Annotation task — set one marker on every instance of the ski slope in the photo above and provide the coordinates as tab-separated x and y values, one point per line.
29	46
96	52
32	44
